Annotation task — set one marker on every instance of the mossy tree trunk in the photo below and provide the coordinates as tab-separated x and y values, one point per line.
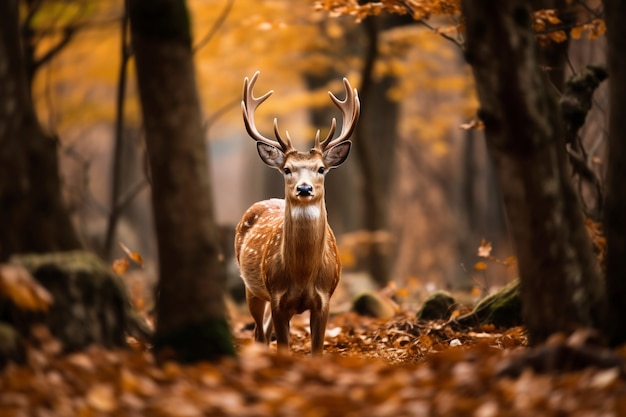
560	283
34	218
191	319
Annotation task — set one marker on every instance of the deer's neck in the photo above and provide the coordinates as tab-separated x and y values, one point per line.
304	237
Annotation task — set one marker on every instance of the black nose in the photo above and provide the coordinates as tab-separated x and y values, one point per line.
304	190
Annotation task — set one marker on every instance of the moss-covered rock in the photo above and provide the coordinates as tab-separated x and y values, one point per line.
90	304
11	345
371	304
437	306
503	308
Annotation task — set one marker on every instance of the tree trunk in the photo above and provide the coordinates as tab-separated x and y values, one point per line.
376	135
560	283
615	222
34	218
191	319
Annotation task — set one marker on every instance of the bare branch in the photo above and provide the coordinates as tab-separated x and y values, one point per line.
216	26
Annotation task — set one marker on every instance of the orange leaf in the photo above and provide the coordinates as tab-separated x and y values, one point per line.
558	36
132	255
17	284
120	265
480	266
598	28
576	32
472	124
402	292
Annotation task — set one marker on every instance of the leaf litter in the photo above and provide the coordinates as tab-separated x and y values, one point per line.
397	367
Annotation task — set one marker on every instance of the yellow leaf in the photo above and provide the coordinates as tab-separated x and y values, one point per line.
480	266
22	289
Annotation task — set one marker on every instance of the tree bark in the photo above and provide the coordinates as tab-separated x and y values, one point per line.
191	318
34	218
615	222
376	135
560	283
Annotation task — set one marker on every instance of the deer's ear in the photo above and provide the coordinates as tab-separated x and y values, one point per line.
336	155
271	155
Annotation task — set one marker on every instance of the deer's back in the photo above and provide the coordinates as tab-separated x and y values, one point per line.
258	233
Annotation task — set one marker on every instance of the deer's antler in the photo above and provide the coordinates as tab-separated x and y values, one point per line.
248	107
350	108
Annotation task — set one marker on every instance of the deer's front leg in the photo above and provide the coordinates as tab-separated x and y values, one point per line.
319	320
281	327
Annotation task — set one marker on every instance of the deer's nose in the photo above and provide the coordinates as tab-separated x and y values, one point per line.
304	190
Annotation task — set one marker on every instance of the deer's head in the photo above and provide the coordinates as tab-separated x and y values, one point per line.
304	172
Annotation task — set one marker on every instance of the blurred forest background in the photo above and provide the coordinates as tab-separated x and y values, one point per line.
411	205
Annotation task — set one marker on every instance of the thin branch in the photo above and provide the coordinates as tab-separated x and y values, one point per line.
210	121
68	33
443	35
430	27
216	26
117	179
130	195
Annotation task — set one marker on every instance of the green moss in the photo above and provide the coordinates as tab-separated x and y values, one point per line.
371	304
438	306
504	308
77	260
206	340
11	345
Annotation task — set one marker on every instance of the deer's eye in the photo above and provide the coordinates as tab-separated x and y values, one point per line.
287	171
321	170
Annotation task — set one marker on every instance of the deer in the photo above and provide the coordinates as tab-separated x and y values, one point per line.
286	251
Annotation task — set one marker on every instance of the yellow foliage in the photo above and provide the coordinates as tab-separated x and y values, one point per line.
284	39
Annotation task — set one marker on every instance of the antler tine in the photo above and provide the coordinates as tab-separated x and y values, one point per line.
350	108
249	105
331	132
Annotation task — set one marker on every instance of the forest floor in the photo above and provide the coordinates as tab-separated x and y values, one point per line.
396	367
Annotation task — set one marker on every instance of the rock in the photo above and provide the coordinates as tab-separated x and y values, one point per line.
502	309
437	306
370	304
11	346
90	304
